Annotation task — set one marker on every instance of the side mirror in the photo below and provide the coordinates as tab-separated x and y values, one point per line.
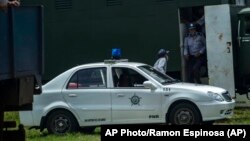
150	85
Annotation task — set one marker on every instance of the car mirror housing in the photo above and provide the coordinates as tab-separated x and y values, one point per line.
150	85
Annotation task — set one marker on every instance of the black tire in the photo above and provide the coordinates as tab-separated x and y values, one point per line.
184	114
208	122
88	130
61	122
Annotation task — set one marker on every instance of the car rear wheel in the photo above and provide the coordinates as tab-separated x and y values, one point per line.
184	114
61	122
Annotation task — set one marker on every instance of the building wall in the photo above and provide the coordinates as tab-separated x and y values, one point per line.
83	31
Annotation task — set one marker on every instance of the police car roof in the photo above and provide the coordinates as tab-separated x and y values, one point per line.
113	63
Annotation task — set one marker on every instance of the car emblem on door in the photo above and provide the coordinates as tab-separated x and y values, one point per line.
135	100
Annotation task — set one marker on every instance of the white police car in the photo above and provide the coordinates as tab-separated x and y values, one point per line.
118	92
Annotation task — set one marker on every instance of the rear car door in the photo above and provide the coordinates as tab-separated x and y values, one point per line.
88	95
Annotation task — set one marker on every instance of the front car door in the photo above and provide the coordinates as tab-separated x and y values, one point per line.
131	102
87	94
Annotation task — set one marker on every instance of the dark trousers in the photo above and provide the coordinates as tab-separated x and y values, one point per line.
193	69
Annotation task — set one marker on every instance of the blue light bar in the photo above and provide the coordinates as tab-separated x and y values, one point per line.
116	53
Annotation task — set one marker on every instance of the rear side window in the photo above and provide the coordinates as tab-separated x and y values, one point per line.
88	78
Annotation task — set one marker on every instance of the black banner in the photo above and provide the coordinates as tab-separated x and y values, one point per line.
163	132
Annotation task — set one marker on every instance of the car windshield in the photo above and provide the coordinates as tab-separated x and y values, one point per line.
158	76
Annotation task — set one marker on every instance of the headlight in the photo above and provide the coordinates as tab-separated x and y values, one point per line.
215	96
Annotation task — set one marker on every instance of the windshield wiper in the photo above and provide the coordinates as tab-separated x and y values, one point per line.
167	81
170	81
177	80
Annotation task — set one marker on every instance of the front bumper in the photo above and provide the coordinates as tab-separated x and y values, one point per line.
216	110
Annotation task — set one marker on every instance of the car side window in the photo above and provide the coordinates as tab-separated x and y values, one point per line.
126	77
88	78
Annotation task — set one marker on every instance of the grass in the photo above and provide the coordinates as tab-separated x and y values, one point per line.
241	117
35	135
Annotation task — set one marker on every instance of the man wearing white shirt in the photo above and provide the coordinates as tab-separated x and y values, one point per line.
161	63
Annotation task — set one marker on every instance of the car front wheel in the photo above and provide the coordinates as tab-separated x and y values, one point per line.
61	122
184	114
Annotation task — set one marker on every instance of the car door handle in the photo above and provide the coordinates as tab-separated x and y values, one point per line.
120	95
72	95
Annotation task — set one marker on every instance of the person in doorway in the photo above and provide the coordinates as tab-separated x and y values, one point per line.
161	63
194	53
6	3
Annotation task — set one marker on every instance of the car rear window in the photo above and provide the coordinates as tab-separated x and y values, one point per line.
88	78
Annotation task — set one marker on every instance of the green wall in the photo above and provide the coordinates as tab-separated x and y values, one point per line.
83	31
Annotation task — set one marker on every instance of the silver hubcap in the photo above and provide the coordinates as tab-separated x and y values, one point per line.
184	116
61	124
